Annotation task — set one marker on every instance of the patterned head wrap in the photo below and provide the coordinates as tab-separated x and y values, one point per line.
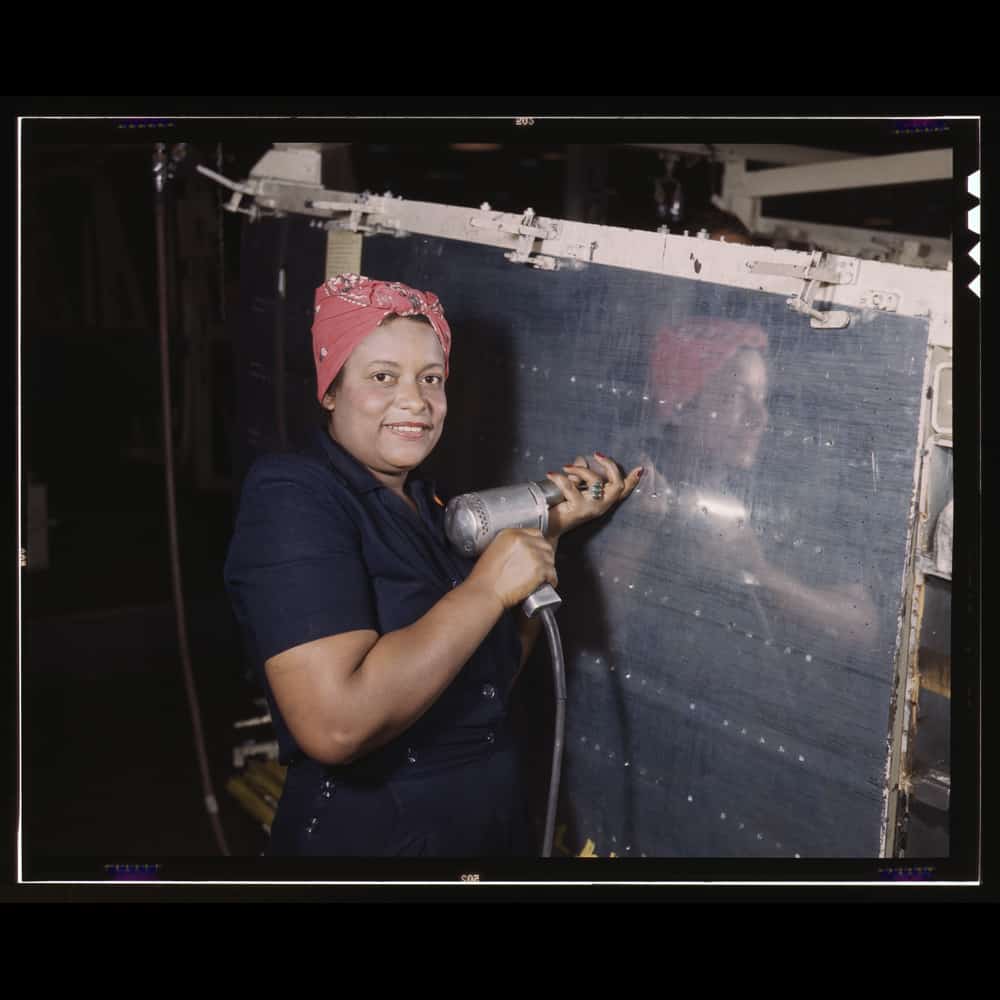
350	306
684	359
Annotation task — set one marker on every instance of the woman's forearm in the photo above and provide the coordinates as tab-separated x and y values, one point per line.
406	671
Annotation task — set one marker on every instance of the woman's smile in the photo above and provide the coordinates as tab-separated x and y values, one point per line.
413	431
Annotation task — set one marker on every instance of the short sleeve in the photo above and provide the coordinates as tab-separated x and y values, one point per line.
295	571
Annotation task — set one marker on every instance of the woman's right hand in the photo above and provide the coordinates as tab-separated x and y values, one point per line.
516	563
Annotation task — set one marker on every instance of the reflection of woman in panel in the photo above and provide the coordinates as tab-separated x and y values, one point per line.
708	385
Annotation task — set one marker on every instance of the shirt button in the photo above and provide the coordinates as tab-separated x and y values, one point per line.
411	755
490	736
489	691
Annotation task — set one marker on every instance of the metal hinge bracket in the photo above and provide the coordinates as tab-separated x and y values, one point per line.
360	213
821	270
527	230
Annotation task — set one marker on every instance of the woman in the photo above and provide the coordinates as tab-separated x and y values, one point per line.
387	658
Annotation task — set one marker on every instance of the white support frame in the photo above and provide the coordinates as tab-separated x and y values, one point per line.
867	171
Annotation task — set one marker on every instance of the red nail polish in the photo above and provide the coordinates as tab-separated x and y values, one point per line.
641	471
599	455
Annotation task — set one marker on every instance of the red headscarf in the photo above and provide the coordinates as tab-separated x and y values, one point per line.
350	306
684	359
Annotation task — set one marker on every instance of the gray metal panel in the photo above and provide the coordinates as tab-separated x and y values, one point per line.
729	683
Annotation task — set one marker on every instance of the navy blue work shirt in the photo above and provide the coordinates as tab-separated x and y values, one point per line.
321	547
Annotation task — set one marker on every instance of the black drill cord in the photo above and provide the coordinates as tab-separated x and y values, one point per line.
559	676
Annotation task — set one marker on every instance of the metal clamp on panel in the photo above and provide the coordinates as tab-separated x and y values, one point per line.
525	229
528	232
252	189
361	214
821	269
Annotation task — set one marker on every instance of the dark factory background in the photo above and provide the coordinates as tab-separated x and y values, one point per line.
109	767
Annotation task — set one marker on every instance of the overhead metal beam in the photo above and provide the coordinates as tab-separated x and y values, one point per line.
762	151
868	171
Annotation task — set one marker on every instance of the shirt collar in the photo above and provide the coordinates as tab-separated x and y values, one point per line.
358	477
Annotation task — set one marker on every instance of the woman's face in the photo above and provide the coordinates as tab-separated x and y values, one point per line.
389	411
730	414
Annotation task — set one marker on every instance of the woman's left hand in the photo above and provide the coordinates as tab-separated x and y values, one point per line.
581	506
